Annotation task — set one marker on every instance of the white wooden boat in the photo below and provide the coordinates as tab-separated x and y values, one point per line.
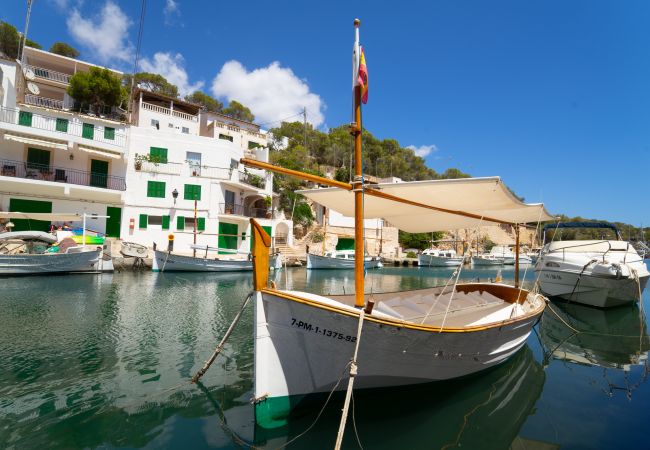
433	257
486	259
47	263
172	262
340	259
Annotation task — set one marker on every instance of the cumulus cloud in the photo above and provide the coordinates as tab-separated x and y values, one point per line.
423	150
272	93
171	11
105	34
171	67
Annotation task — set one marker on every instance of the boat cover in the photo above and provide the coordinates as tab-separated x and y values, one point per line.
28	236
57	217
485	197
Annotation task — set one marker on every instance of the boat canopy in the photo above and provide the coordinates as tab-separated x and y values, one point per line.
552	226
487	199
60	217
28	236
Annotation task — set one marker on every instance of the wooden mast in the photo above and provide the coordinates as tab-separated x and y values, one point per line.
357	183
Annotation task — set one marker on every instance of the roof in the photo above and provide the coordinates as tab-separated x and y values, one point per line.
486	198
552	226
166	98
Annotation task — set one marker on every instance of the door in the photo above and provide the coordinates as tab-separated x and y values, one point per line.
20	205
345	244
38	159
228	237
113	222
98	173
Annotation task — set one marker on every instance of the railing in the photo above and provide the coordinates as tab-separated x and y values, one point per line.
63	126
241	210
169	112
42	172
44	102
252	179
170	168
48	74
231	208
219	173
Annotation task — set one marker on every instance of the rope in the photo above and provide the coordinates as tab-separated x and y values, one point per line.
354	424
165	263
217	350
580	277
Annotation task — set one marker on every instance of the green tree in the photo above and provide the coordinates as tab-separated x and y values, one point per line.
238	111
63	49
97	87
454	173
9	40
207	102
418	240
153	82
33	44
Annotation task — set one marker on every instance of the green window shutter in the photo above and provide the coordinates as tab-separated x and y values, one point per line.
200	226
165	222
143	220
156	189
88	131
38	159
62	125
25	118
228	237
192	192
158	154
180	222
109	133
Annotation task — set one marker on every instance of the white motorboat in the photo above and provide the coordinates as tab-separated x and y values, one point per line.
340	259
433	257
506	254
171	262
486	259
600	273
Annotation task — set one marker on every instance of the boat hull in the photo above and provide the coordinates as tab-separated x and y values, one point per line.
26	264
324	262
168	262
478	261
438	261
302	349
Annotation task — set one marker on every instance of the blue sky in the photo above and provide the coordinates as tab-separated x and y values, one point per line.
553	96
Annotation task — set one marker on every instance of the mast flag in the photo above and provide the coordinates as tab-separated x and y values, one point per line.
362	78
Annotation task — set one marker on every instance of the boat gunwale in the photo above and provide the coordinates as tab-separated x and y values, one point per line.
410	325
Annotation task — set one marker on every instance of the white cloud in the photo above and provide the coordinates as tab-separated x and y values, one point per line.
106	34
423	150
171	11
272	93
61	4
171	67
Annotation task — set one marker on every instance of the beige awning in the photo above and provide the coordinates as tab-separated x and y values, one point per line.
485	197
104	153
57	217
41	142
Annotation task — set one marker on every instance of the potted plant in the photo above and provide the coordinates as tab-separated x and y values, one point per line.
138	161
268	201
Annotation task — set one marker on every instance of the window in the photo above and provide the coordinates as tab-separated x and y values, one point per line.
155	123
62	125
155	220
170	125
25	118
194	161
143	221
225	137
192	192
156	189
109	133
230	198
88	131
186	130
158	154
234	163
38	159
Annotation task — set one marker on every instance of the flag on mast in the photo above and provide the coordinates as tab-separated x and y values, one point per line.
362	78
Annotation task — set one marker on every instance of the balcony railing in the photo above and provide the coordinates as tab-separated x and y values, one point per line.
48	74
170	168
43	172
44	102
252	179
63	126
241	210
169	112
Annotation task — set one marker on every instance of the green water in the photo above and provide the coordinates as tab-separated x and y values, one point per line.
104	361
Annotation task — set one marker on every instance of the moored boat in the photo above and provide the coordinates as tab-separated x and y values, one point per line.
433	257
165	261
340	259
486	260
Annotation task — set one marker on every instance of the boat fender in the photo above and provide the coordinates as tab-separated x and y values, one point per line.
619	272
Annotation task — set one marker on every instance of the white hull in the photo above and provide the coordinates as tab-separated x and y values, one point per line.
169	262
326	262
439	261
24	264
480	261
301	348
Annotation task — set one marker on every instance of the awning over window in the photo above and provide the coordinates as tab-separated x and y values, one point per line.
40	142
104	153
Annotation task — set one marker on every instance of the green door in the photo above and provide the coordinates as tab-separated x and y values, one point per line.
38	159
114	221
228	237
269	231
98	173
20	205
345	244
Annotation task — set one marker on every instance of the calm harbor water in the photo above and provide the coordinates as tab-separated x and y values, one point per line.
104	361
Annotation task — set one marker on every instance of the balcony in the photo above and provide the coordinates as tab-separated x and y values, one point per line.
247	211
50	75
63	126
42	172
252	179
186	169
169	112
44	102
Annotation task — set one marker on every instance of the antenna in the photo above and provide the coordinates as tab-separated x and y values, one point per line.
29	73
33	88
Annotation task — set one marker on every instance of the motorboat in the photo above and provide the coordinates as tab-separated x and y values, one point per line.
486	259
505	253
340	259
433	257
600	273
166	261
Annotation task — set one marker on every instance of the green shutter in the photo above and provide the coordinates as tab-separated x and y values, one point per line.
158	154
165	222
192	192
180	222
228	237
200	226
25	118
143	220
62	125
18	204
38	159
109	133
345	244
88	131
156	189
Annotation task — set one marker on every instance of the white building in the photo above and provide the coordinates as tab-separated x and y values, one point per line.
54	155
179	154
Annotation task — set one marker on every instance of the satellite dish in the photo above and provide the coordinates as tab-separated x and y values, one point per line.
33	88
29	73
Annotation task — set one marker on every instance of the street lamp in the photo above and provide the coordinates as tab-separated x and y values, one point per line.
175	195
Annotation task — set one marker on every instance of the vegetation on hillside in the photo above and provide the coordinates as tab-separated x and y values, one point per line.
204	100
9	40
98	88
63	49
628	232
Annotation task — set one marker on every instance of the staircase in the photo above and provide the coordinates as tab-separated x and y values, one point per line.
298	251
